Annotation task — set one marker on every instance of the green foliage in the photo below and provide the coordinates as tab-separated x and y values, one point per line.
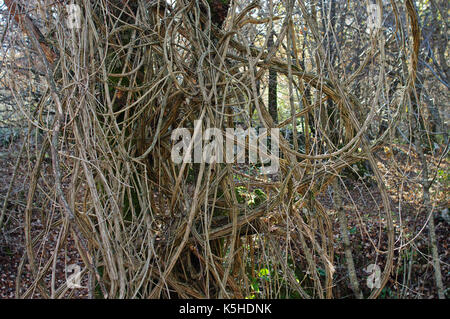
252	199
443	177
321	271
240	192
269	276
263	273
387	293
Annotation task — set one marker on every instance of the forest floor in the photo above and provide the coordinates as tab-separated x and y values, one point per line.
365	216
366	220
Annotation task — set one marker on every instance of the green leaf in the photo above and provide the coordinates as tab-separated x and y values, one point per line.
255	286
321	271
263	272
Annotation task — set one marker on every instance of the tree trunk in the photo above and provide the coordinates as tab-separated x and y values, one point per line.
273	83
344	234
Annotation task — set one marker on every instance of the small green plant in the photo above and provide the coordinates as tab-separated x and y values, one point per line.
443	176
252	199
386	292
264	273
